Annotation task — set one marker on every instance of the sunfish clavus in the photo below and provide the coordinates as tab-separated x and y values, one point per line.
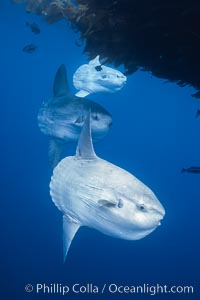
92	192
62	116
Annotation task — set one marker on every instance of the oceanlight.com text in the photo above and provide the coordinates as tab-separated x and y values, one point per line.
111	288
151	289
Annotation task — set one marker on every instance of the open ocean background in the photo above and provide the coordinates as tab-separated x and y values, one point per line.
154	135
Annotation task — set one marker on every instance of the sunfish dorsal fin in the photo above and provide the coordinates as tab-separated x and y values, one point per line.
95	61
61	86
69	230
85	148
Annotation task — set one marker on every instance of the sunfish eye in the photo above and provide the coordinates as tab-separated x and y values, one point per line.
142	207
95	117
104	76
79	120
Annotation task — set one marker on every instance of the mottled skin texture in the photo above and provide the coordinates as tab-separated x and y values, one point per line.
78	185
63	118
92	192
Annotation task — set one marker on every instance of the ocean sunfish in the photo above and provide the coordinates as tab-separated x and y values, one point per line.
94	78
92	192
62	116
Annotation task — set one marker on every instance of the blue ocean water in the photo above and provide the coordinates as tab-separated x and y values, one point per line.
154	135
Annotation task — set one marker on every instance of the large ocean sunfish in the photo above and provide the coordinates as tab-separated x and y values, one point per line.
62	116
95	78
92	192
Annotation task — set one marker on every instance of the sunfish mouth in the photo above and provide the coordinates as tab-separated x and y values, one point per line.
156	224
159	222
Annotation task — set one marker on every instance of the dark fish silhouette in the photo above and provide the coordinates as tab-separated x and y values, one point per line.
195	170
98	68
33	27
29	48
198	113
196	95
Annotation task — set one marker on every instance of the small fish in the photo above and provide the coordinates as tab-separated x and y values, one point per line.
29	48
95	77
195	170
92	192
98	68
33	27
196	95
62	116
197	113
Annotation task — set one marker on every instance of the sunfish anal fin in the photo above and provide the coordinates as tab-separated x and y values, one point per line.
85	148
69	230
56	148
82	94
61	86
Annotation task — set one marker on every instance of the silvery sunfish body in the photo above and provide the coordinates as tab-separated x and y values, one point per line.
92	192
62	117
94	78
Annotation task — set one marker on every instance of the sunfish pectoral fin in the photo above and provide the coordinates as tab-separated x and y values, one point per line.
82	94
56	148
70	228
85	148
109	198
61	86
107	203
